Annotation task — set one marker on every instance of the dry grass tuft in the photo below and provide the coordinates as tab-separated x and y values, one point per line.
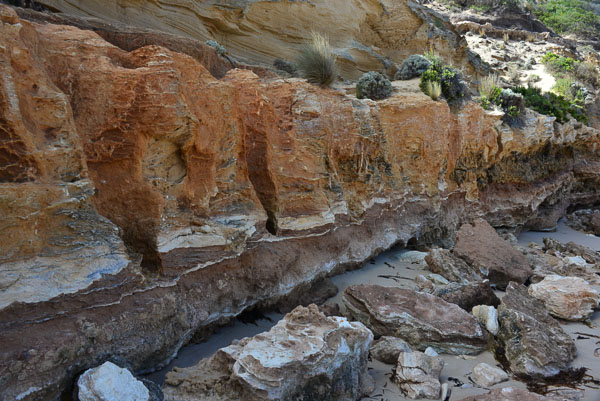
316	62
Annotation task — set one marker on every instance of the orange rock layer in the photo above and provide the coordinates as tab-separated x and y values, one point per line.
143	200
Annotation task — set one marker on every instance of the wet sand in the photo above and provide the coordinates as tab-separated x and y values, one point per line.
399	268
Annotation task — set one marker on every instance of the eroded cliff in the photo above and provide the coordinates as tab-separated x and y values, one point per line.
144	200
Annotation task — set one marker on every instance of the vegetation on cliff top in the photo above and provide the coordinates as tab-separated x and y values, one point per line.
316	61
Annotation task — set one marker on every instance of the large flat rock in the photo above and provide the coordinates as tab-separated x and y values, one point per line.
421	319
481	247
534	343
305	356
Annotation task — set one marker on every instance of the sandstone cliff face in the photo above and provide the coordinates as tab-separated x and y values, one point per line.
144	200
364	33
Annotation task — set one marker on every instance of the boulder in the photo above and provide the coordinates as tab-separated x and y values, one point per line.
305	356
488	316
468	295
511	394
587	220
486	375
387	349
423	320
480	246
108	382
571	249
569	298
448	265
533	342
418	375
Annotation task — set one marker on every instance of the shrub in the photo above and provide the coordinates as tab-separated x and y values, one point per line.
453	87
433	89
221	51
588	73
374	86
412	67
569	16
559	65
285	66
570	90
512	103
316	61
551	104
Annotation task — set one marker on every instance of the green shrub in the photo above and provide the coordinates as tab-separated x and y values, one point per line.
412	67
570	90
559	65
374	86
454	88
569	16
221	51
588	74
551	104
316	61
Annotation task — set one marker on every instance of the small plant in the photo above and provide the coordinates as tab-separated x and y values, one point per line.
374	86
221	51
412	67
482	32
433	89
488	85
433	58
505	37
316	62
533	78
588	73
453	87
514	76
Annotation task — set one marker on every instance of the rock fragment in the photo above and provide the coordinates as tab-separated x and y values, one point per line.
481	247
421	319
387	349
569	298
486	375
534	343
305	356
468	295
451	267
488	316
511	394
418	375
109	382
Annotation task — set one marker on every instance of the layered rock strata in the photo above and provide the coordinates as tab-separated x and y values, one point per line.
144	201
305	356
366	35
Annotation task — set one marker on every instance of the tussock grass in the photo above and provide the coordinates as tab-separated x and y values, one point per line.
316	62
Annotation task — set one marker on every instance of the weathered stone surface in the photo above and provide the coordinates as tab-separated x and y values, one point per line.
511	394
486	375
234	191
569	298
488	316
481	247
418	375
468	295
549	262
367	35
422	320
386	349
572	249
109	382
534	343
304	356
587	220
453	268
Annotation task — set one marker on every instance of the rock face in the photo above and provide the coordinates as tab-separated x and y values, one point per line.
534	343
587	220
136	184
418	375
511	394
569	298
421	319
306	356
453	268
109	382
480	246
386	349
486	375
367	35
